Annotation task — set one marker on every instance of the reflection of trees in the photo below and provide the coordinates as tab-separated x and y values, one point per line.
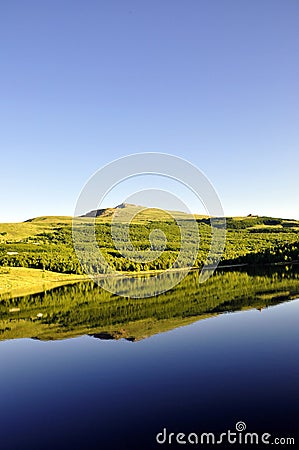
84	306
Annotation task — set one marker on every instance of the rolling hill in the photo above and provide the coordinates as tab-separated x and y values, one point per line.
45	243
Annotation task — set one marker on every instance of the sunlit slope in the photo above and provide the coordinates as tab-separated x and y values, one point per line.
32	227
126	212
15	281
17	232
46	242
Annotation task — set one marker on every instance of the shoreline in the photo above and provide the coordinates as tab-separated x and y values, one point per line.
21	281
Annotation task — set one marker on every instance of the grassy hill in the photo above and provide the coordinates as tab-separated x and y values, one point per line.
45	243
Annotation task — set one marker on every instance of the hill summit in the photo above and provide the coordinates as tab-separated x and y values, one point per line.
108	211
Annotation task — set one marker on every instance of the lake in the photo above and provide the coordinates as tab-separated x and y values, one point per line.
84	369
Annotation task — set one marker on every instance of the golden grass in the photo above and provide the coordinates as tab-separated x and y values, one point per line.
18	281
16	232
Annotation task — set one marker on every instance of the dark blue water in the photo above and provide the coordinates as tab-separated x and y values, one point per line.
85	393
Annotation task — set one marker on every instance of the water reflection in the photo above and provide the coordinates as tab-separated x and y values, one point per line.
85	308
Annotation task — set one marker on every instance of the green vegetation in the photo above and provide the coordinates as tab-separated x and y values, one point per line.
85	308
46	242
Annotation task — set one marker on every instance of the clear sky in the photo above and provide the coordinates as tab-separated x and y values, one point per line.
85	82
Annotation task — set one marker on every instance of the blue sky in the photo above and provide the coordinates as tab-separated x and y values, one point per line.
212	81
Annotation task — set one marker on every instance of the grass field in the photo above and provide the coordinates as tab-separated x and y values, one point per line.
15	281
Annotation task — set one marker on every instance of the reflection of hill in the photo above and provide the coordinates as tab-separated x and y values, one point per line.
87	309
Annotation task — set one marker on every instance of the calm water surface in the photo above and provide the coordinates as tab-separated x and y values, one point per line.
89	393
